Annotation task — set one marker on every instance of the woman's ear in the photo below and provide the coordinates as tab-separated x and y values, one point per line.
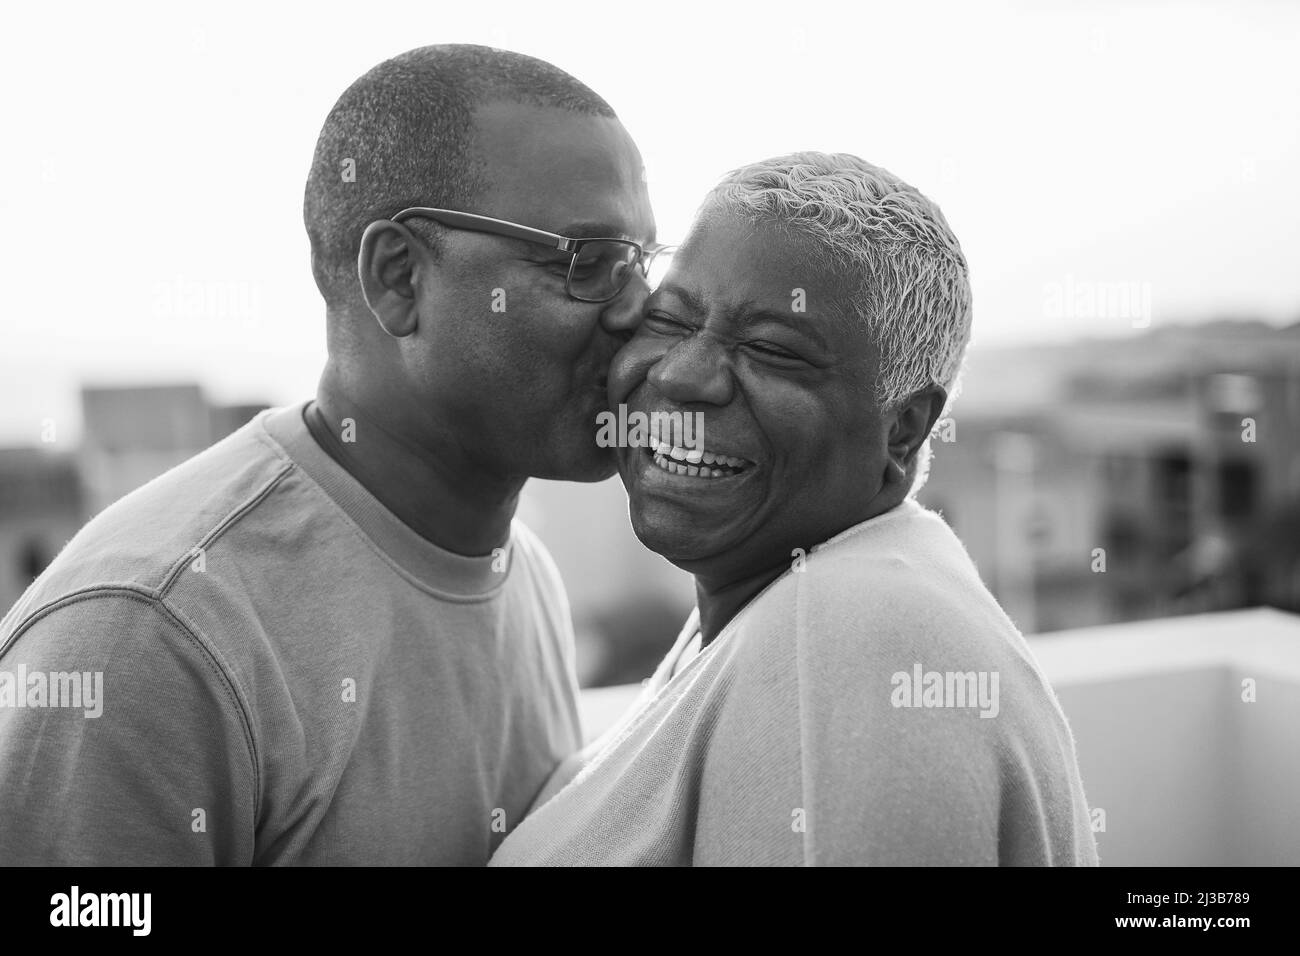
385	268
913	422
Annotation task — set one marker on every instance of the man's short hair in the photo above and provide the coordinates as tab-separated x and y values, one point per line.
402	135
907	275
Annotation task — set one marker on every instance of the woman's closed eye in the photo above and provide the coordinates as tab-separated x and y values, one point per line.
765	350
666	324
770	351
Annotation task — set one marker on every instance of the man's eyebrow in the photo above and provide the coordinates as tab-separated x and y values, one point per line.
592	230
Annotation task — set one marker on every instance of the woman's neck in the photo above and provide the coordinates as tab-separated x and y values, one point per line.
722	595
720	602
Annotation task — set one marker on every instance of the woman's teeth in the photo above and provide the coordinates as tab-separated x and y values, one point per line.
695	462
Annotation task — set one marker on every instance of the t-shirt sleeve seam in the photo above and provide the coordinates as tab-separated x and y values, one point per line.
173	618
206	541
229	685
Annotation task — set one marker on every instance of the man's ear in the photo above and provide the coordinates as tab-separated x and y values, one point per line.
912	425
385	268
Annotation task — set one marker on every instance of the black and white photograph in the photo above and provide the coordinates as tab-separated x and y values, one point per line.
721	435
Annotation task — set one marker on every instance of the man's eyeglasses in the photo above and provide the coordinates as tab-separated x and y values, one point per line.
599	269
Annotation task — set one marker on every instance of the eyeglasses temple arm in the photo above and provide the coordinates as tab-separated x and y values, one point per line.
499	227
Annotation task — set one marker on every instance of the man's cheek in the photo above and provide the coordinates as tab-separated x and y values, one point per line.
629	369
514	296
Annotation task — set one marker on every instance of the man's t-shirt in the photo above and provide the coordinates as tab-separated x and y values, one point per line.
271	668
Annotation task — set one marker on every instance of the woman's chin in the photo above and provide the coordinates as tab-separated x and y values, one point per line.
676	535
685	517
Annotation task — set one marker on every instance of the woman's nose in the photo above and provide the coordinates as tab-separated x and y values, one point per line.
694	370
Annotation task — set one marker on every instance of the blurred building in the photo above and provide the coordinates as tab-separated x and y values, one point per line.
134	434
130	436
42	504
1130	479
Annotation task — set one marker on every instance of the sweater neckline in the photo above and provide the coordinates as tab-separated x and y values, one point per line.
665	675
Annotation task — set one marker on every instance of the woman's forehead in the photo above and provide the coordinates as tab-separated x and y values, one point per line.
732	264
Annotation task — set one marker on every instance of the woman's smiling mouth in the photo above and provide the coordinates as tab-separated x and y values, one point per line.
696	462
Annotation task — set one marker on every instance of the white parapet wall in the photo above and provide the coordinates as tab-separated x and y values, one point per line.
1189	769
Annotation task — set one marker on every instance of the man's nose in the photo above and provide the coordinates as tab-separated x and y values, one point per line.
622	314
694	370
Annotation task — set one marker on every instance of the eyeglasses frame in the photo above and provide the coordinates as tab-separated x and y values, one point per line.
473	222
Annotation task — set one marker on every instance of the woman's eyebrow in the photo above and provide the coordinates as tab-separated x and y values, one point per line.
804	323
692	301
747	313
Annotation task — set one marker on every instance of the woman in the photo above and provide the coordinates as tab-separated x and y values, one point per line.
847	691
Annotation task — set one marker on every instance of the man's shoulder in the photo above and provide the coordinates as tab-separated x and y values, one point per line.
141	543
535	558
533	573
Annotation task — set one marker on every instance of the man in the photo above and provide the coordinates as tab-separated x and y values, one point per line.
324	640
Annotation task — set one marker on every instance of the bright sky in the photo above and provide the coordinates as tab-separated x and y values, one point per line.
154	159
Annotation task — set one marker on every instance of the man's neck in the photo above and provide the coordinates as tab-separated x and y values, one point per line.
439	495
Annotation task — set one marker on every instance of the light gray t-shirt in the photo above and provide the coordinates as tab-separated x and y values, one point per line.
271	668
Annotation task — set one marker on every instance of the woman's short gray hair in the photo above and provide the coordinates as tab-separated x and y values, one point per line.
911	285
